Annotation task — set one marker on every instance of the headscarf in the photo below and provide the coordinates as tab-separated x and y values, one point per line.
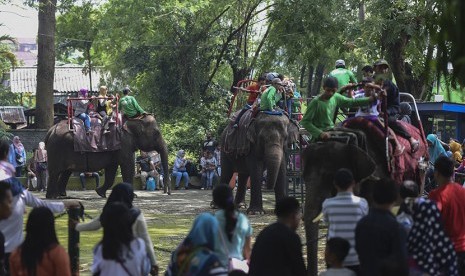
180	154
18	145
83	91
203	232
456	149
427	242
122	192
436	150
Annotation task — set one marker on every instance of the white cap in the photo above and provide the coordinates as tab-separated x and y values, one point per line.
340	62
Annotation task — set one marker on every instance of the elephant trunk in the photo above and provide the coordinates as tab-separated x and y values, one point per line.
273	159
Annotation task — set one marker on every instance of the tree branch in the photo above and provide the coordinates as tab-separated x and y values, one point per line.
259	48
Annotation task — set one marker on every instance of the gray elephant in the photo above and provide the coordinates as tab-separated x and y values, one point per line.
264	146
142	134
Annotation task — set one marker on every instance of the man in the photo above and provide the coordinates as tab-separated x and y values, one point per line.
209	143
367	71
343	75
271	96
381	68
380	240
84	175
146	167
450	200
342	212
254	91
129	106
278	249
318	118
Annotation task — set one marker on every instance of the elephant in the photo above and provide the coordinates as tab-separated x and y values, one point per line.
267	139
320	163
143	134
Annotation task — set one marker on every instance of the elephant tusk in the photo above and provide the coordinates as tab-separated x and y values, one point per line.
318	218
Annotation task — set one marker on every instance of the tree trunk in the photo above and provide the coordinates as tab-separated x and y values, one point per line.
361	11
320	68
45	64
311	70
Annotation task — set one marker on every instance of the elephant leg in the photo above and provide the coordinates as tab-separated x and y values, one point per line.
227	169
110	174
63	182
241	189
315	196
280	189
52	184
256	172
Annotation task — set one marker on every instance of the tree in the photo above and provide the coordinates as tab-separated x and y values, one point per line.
45	63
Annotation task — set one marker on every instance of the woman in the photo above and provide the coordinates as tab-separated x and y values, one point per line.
234	240
195	255
80	108
104	108
40	158
435	150
40	253
12	228
179	170
17	155
124	193
119	252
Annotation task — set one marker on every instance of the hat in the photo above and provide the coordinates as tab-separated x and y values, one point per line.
381	62
343	176
83	91
277	81
340	62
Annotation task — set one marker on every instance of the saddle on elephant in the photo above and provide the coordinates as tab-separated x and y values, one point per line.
95	140
235	139
404	164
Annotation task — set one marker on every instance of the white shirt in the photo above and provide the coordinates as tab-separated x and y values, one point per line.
136	263
12	227
368	110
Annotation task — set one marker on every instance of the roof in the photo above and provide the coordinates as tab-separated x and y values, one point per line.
67	79
12	114
440	107
29	58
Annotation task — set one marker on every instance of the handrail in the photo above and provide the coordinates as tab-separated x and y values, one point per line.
408	95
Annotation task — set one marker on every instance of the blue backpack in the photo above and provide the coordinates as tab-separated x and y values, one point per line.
151	184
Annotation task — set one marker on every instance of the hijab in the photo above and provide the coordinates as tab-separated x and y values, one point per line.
456	150
17	144
180	154
436	150
124	193
203	232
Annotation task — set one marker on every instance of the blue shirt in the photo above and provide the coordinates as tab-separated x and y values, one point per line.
235	247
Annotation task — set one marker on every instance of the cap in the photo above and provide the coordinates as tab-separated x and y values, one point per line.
340	62
381	62
277	81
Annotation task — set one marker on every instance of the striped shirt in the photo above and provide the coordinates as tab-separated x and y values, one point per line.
342	213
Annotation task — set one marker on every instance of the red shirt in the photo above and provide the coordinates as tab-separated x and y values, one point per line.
253	96
450	199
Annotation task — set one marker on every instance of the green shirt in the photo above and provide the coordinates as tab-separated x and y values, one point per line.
129	106
343	76
269	99
320	114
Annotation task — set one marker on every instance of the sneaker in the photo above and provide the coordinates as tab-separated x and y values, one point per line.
176	188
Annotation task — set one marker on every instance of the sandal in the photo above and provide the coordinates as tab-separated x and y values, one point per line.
415	146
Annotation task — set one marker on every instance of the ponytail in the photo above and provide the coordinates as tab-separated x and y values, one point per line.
231	219
223	198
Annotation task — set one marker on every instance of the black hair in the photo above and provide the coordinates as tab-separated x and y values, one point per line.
385	191
40	237
261	78
367	68
286	207
281	77
223	198
340	66
330	82
444	166
408	189
117	232
4	148
122	192
339	247
343	178
4	186
126	91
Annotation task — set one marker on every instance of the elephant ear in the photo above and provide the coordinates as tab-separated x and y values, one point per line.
251	132
363	165
293	134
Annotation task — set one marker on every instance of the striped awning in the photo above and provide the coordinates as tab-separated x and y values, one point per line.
67	79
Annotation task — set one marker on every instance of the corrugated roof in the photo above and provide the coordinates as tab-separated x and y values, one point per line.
67	79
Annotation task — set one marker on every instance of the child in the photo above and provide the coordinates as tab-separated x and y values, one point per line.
335	253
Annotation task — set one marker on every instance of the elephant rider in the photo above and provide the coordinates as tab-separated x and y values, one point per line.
318	118
271	96
381	68
129	106
254	91
80	108
343	75
105	108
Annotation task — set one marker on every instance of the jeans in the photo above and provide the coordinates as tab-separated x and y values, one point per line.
207	179
86	119
152	173
180	175
83	176
41	180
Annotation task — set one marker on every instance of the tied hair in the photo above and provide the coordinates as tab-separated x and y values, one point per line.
223	198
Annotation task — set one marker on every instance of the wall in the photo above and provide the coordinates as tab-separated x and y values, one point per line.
29	137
